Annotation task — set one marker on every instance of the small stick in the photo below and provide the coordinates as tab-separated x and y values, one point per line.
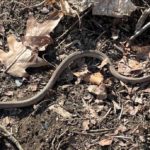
69	29
36	5
142	19
17	57
139	32
10	137
105	115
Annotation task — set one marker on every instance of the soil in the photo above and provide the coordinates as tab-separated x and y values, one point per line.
121	121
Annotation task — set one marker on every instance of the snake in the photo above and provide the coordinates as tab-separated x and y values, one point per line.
61	67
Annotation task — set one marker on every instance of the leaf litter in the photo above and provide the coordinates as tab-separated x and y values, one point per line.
95	122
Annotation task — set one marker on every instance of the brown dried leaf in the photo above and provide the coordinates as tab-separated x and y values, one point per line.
37	34
66	8
114	8
50	2
19	58
99	91
120	129
134	64
106	142
7	121
127	67
103	63
9	93
95	78
61	111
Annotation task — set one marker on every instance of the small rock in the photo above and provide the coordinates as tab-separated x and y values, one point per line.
44	10
19	82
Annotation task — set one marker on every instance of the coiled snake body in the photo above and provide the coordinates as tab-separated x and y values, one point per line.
63	65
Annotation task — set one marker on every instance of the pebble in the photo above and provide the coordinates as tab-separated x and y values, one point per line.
44	10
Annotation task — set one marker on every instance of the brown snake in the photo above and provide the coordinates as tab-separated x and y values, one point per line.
63	65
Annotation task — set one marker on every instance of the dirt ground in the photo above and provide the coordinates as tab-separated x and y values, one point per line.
120	122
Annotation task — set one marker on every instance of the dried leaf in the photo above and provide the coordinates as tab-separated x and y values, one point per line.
120	129
61	111
127	67
103	63
134	64
106	142
91	113
100	91
33	87
7	121
66	8
50	2
37	34
9	93
81	73
19	58
85	125
114	8
95	78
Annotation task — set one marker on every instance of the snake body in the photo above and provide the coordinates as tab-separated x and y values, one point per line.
62	66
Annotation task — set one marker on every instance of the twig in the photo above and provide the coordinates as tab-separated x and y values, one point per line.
15	60
69	29
120	115
139	29
105	115
121	137
100	130
36	5
11	138
142	19
139	32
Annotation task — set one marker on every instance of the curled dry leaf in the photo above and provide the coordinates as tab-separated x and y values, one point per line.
114	8
19	58
37	34
106	141
99	91
93	78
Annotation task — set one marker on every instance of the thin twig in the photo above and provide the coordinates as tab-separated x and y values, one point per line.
71	27
139	32
105	115
38	5
10	137
34	6
14	61
142	19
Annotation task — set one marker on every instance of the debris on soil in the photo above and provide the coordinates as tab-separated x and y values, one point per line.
98	113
